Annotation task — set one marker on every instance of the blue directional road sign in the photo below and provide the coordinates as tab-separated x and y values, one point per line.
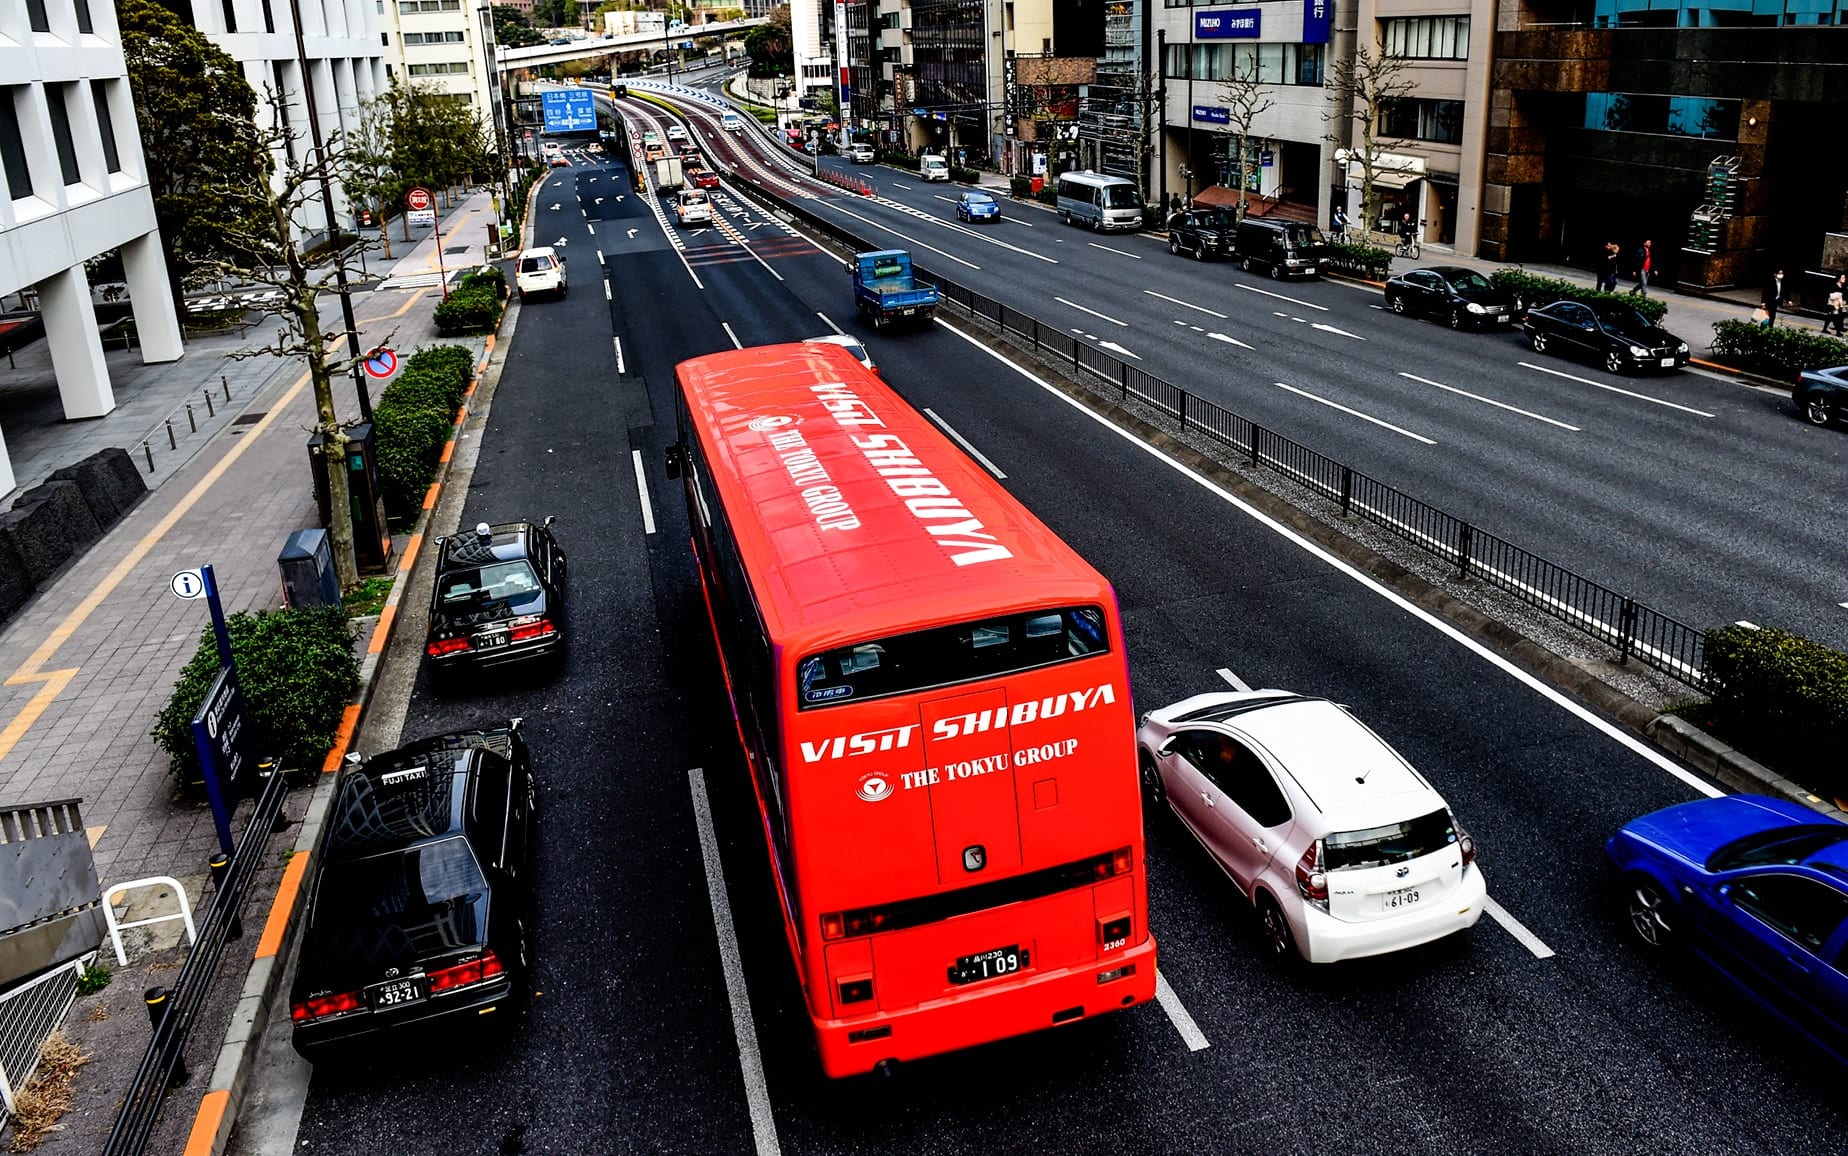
570	110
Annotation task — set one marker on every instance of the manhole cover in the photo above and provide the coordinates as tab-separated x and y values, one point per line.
248	418
456	249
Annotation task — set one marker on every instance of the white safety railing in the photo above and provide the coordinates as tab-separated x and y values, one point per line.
116	925
28	1015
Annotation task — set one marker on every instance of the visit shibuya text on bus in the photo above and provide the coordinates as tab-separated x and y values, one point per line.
932	697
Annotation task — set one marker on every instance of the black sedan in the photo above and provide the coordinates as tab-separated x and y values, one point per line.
1822	395
499	597
1202	232
420	897
1607	332
1462	297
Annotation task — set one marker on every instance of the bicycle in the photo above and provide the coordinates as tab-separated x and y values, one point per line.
1407	248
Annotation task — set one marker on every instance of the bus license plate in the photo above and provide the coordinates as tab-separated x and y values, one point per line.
991	964
490	641
1407	897
396	992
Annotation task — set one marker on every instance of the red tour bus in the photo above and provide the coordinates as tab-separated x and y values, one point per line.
932	696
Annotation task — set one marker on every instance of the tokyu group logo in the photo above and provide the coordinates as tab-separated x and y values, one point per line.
874	787
770	422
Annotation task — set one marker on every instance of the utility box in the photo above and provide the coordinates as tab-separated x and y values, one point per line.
307	565
371	536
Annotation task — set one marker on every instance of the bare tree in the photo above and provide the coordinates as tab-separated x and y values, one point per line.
284	178
1364	87
1246	100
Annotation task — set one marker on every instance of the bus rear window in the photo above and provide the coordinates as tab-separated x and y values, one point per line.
950	654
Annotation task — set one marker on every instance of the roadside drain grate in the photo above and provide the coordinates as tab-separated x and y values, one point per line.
456	249
248	418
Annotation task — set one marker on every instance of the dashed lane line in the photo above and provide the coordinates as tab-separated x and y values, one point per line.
1237	682
1614	389
1489	401
1356	413
1186	304
1191	1034
1092	312
978	455
1515	928
641	491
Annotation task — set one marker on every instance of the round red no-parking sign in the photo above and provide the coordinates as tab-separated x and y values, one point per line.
382	364
418	199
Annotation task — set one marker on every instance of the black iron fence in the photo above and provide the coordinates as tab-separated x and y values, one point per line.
1634	630
175	1010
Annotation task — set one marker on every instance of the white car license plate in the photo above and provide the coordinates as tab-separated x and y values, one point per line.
1503	318
1668	363
1404	897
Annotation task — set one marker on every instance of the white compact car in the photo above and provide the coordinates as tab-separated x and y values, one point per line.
934	168
1345	850
694	207
860	154
676	132
540	270
850	344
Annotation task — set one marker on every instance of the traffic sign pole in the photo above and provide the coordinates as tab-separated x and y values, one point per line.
218	616
214	790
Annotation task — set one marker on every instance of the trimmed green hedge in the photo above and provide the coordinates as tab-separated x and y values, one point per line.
474	304
296	670
1049	193
1783	699
1360	260
413	419
1534	289
966	176
899	161
1775	351
1020	186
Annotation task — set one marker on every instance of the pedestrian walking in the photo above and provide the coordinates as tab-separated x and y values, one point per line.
1645	266
1772	297
1174	206
1838	306
1607	274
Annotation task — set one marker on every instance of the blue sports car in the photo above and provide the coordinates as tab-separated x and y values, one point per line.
974	207
1756	886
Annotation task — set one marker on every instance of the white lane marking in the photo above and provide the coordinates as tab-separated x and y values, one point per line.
906	236
1333	330
1489	401
1843	605
736	344
750	1060
1281	297
896	185
1230	340
1614	389
1513	927
1115	348
606	291
1092	312
600	259
941	197
1237	682
1185	304
1191	1035
962	441
593	232
1557	698
829	323
1356	413
620	368
1118	252
641	490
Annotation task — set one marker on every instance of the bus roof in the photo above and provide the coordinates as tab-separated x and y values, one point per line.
855	516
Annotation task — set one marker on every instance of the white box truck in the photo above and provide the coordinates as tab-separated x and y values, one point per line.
669	175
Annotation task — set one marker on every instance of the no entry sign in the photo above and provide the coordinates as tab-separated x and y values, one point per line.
418	199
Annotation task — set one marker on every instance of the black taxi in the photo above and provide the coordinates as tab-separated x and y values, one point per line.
499	596
419	895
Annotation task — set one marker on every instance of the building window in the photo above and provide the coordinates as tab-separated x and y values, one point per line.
13	146
37	16
84	24
1428	37
56	97
448	69
269	17
1662	115
1268	63
105	124
415	38
1437	121
1309	64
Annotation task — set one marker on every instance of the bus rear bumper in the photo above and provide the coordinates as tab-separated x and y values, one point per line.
1043	1000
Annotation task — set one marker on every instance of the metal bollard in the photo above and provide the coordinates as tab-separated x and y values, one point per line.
221	867
190	420
209	411
148	450
172	442
159	1008
222	381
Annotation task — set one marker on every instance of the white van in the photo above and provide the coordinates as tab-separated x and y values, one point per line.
730	121
694	207
934	168
1088	198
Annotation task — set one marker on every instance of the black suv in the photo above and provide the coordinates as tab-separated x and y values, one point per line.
1202	232
420	893
499	597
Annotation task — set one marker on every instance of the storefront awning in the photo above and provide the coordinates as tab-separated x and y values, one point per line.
1390	179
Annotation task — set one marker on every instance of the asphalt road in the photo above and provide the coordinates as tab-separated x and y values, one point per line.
631	1044
1700	497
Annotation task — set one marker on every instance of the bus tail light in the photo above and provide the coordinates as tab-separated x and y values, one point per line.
1119	863
1113	932
1116	973
444	646
1311	881
847	924
858	989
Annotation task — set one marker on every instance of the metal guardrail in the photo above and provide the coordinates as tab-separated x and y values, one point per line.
29	1013
176	1010
1636	631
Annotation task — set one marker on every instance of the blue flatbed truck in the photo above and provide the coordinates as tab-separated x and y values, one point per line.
885	290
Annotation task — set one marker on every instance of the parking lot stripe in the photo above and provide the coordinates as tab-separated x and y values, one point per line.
1513	926
750	1060
1191	1035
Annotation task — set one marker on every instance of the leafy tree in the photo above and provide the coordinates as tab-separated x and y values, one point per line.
368	169
555	13
198	122
1365	86
771	45
512	29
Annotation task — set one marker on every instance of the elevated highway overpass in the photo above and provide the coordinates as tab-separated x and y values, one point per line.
539	55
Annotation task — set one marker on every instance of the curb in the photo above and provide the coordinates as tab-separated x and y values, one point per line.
218	1108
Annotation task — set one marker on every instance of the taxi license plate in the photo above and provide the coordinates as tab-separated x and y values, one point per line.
991	964
397	992
1668	363
1405	897
490	641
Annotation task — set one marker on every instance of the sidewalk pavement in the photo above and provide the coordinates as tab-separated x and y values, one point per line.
90	661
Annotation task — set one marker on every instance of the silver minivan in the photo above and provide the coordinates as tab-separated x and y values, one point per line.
1101	202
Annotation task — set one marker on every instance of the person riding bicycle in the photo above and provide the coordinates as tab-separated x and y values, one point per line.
1408	224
